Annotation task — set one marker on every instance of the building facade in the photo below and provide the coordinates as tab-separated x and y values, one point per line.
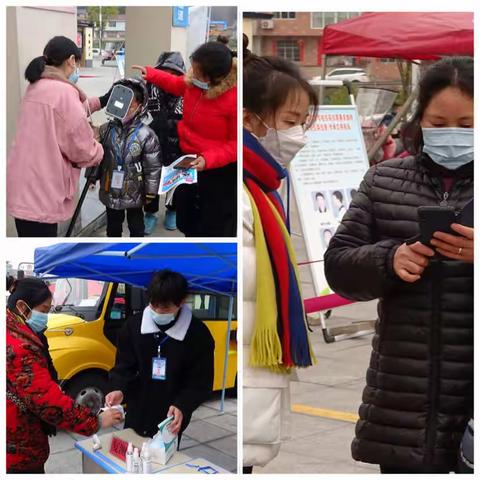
297	36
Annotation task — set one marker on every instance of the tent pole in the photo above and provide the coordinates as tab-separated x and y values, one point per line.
401	112
133	250
227	347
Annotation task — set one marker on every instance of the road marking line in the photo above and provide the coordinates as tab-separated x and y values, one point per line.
325	413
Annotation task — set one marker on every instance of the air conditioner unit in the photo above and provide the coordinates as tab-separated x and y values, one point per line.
266	24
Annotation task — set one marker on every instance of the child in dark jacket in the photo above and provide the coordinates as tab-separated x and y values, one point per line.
131	167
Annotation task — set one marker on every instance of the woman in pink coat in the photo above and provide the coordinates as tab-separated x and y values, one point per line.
53	141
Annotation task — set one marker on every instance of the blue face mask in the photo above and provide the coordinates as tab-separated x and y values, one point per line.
198	83
37	321
75	76
162	318
449	147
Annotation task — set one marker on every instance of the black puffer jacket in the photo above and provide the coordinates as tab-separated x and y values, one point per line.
419	393
142	163
167	109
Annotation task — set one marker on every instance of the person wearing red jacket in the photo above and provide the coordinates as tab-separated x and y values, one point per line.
209	130
35	403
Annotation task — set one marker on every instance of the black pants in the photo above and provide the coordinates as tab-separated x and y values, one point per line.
27	228
217	193
186	205
248	470
115	220
209	208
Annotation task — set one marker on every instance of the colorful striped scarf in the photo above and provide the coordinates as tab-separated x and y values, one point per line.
280	337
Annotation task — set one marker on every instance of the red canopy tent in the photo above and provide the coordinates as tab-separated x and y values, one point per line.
407	35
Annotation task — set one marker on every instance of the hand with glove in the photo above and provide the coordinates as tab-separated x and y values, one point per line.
104	98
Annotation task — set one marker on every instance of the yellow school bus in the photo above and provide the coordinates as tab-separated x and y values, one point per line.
84	323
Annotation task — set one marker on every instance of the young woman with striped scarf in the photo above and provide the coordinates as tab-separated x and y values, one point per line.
277	102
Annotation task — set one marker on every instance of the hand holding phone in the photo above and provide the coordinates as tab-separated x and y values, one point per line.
435	219
458	246
185	162
441	228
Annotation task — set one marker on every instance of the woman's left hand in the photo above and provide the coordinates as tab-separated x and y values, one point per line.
198	164
456	247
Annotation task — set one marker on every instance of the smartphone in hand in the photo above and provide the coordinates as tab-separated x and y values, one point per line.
435	219
185	162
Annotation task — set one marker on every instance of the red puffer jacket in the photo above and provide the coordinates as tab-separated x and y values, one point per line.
209	124
33	399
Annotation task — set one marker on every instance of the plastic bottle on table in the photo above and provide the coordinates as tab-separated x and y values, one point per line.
129	458
146	459
137	465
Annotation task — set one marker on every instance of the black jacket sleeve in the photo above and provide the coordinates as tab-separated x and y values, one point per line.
126	365
198	384
357	265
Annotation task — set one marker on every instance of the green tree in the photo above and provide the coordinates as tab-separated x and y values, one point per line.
107	13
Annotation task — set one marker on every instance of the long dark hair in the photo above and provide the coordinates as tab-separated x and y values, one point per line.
267	82
215	60
33	291
57	50
448	72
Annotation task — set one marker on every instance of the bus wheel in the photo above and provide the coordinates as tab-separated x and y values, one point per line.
89	389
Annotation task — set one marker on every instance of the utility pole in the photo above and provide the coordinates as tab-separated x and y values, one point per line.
101	28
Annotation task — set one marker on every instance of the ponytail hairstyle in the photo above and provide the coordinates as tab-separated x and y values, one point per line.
215	60
268	81
32	291
57	50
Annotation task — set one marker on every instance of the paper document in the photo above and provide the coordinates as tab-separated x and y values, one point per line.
173	177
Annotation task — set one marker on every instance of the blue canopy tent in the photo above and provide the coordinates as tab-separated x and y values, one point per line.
208	267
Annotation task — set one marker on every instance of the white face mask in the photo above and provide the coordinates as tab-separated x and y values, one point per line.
283	145
162	318
450	147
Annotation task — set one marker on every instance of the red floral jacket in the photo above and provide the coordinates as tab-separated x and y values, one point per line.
34	398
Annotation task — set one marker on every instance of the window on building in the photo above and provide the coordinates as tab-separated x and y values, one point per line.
285	15
288	49
322	19
112	24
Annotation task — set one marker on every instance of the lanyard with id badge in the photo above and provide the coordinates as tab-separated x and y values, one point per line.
118	175
159	363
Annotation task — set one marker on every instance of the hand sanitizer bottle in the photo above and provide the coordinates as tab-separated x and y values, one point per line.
137	466
146	459
129	458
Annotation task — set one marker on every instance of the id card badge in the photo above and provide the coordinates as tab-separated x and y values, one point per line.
117	179
159	368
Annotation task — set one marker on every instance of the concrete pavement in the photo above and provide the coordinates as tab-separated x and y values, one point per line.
210	435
